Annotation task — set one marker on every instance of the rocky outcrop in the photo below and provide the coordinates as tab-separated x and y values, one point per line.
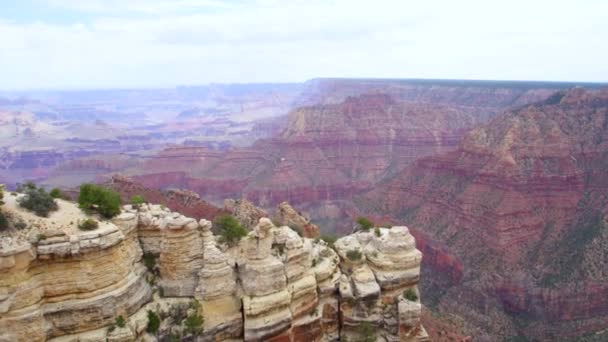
62	282
273	285
244	211
521	205
288	216
377	289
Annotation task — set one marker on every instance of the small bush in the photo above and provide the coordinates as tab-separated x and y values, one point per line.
3	221
367	332
354	255
88	224
137	201
149	261
153	322
364	223
56	193
194	321
410	294
104	201
329	239
37	200
120	322
230	230
377	232
178	312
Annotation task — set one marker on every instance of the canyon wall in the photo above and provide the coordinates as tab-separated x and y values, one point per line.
522	206
63	284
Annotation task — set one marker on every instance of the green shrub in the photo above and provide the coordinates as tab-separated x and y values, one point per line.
329	239
137	201
410	294
37	200
153	322
3	221
354	255
88	224
1	194
100	199
194	321
377	232
56	193
149	261
367	332
364	223
120	322
229	228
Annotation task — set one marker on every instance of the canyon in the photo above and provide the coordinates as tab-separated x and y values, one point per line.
343	138
502	185
60	283
521	204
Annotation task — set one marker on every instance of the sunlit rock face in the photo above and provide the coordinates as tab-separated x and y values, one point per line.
273	285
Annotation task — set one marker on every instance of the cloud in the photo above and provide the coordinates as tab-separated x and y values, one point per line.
165	43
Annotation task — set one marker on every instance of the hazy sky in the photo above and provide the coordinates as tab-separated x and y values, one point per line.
152	43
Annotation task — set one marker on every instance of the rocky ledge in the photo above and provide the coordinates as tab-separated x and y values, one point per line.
273	285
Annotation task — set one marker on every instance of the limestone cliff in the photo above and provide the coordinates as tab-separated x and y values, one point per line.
62	284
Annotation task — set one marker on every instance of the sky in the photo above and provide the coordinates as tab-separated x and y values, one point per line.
77	44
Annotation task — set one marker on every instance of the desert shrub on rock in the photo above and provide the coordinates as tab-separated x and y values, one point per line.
137	201
88	224
410	295
230	230
153	322
97	198
354	255
36	199
364	223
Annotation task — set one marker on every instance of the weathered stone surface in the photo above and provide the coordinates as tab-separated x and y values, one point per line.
274	285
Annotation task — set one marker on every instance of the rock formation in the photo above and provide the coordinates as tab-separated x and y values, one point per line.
521	205
60	283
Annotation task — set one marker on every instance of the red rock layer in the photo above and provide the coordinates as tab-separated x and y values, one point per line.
522	203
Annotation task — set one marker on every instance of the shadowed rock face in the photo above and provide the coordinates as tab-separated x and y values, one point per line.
522	204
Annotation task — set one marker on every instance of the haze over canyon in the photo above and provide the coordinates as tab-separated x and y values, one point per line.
502	183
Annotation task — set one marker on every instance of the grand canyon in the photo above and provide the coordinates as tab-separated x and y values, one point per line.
303	171
501	183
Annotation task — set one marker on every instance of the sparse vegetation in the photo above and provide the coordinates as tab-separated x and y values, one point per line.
230	229
149	261
96	198
57	193
194	321
120	322
3	221
88	224
153	322
364	223
410	294
178	312
368	332
377	232
37	200
329	239
354	255
137	201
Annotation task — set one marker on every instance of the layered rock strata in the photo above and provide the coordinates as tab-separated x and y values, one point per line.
274	285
